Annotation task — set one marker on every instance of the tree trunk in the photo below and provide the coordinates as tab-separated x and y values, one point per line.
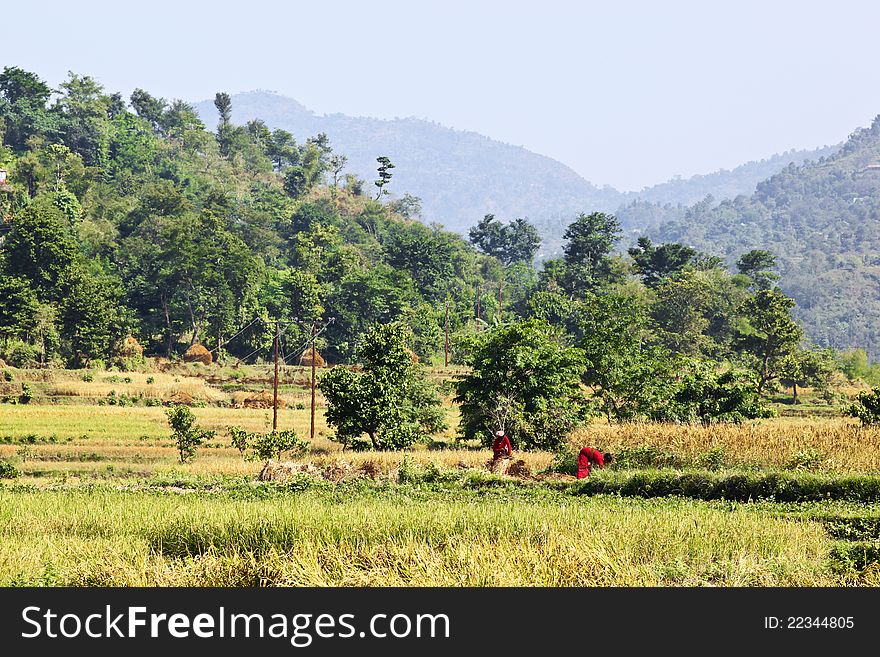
374	440
794	393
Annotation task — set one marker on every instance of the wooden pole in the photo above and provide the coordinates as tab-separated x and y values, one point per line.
312	428
275	385
447	332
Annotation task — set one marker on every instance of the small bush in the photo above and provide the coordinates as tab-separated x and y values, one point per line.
8	376
7	470
150	380
265	446
186	434
88	377
806	459
866	407
26	394
712	459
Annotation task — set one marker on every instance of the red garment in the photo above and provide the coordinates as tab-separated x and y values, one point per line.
502	447
588	457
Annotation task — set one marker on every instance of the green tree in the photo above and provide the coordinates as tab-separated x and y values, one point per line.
523	380
388	400
266	446
758	266
806	368
186	434
589	242
384	172
654	263
770	334
40	248
706	395
517	241
628	376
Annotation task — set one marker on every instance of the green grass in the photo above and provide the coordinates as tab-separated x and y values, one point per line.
389	534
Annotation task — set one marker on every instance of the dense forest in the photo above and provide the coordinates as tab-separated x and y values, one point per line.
129	218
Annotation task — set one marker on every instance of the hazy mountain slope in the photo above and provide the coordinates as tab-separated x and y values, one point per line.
460	176
729	183
822	219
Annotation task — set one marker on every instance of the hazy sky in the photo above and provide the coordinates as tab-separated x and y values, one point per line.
626	93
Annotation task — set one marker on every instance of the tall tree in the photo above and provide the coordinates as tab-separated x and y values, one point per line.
758	265
388	400
589	242
770	334
384	172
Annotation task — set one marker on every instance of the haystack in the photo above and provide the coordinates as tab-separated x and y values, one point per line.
413	356
500	465
181	398
198	354
312	356
519	469
283	472
131	348
262	399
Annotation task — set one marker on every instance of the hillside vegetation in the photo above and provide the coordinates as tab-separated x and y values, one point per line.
822	220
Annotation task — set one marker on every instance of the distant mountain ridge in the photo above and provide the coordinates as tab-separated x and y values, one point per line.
822	220
461	176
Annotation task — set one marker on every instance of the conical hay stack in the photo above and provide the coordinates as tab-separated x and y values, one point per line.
262	399
198	354
312	355
131	348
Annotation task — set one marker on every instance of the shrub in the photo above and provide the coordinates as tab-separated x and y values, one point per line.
265	446
806	459
8	376
713	459
7	470
26	394
866	407
186	434
88	377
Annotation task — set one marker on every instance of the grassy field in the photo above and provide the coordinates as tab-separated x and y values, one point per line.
399	536
102	500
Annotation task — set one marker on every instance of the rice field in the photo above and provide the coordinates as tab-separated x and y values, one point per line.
395	538
101	498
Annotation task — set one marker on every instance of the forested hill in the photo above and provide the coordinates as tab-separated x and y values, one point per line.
822	220
460	176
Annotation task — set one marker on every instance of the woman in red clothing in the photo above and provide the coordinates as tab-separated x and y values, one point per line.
501	447
589	457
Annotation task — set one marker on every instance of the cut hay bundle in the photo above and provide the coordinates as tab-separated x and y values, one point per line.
198	354
500	465
413	356
284	472
262	399
130	348
310	356
519	469
181	398
337	471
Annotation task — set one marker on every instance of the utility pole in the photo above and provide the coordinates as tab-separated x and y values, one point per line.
479	304
314	357
275	387
447	332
